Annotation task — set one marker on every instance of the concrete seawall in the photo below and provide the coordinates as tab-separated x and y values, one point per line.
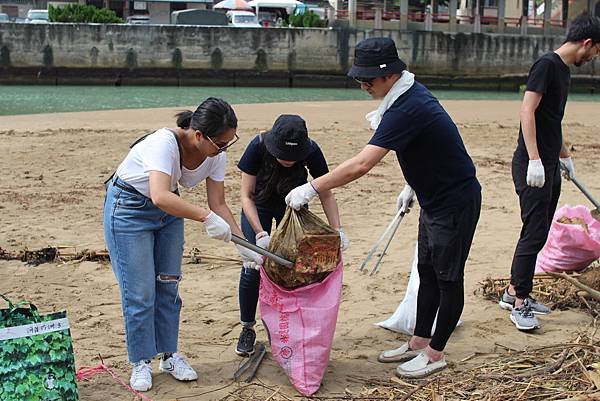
192	55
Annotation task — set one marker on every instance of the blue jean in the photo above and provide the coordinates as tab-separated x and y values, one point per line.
250	278
146	247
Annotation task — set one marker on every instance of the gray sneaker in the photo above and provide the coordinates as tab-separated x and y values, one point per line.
507	302
524	318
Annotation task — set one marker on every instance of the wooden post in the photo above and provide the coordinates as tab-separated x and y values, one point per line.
452	11
429	18
524	16
352	13
477	21
547	16
501	15
403	15
378	23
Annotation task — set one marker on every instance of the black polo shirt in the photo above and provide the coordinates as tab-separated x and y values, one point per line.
550	76
429	149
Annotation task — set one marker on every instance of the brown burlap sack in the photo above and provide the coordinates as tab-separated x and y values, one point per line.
309	242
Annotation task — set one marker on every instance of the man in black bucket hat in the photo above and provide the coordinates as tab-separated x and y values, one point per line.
273	163
411	122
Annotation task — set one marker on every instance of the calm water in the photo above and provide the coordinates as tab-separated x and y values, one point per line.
52	99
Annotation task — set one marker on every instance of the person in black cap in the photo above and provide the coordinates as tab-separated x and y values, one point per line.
273	163
411	122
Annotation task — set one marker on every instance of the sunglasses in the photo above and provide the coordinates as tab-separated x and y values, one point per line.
366	81
222	148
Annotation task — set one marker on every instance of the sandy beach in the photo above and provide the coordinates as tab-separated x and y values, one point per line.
51	194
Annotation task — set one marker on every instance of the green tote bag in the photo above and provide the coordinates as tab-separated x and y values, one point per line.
36	355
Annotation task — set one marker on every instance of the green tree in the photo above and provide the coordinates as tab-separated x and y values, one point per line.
309	19
83	13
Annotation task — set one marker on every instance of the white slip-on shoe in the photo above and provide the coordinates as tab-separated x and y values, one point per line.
400	354
178	367
141	376
420	366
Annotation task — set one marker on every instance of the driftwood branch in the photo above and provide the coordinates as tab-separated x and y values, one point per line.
593	293
584	397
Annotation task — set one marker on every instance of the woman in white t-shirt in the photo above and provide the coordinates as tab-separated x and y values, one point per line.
143	228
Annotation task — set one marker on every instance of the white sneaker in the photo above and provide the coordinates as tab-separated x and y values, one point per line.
419	367
178	367
141	376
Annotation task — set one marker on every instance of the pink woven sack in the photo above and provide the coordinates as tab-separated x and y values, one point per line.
301	324
573	242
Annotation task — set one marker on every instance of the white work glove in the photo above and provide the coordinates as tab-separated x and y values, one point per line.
535	174
568	163
249	256
263	240
217	228
300	196
405	200
344	241
251	265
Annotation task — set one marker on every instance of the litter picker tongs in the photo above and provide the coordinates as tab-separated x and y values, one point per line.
391	231
274	257
251	365
595	213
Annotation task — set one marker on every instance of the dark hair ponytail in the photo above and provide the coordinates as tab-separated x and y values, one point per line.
184	118
213	117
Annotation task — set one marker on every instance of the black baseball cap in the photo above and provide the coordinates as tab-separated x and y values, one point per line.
288	139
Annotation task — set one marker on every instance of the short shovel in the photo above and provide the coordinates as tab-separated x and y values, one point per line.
595	212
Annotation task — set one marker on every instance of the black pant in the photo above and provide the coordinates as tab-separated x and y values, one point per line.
444	245
250	278
537	210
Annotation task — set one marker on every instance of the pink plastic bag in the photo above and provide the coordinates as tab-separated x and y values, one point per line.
570	246
301	324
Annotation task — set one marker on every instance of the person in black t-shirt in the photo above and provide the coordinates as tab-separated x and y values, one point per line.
411	122
273	163
536	161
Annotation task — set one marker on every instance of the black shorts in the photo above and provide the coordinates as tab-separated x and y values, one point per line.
445	238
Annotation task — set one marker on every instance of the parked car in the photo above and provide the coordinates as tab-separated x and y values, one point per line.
37	17
4	17
242	19
138	19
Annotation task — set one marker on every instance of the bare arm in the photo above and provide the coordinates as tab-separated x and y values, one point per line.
215	191
248	204
164	199
351	169
330	208
531	100
564	151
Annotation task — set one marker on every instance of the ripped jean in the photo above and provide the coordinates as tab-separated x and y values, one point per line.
146	247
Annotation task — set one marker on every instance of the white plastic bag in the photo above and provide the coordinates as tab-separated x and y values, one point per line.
405	317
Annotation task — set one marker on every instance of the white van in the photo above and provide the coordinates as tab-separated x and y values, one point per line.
138	19
37	17
242	19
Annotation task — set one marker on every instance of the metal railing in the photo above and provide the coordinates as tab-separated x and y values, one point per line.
419	16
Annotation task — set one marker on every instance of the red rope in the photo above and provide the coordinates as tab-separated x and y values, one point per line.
85	373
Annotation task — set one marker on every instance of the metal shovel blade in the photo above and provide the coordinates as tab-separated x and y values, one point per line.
274	257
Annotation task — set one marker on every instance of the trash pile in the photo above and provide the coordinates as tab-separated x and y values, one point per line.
557	290
304	238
